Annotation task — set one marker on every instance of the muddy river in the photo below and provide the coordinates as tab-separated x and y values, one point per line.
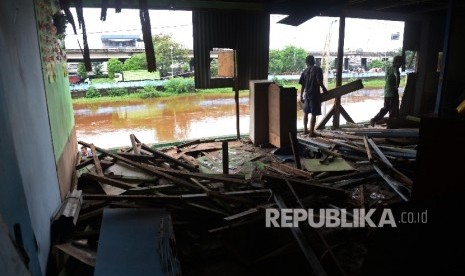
188	117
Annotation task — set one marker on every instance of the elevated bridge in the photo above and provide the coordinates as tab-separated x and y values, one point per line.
75	55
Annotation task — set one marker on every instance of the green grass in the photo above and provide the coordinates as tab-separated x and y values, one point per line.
102	80
140	75
367	83
137	96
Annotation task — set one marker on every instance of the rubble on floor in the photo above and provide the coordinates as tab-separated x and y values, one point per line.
217	210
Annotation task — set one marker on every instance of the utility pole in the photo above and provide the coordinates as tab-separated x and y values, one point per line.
326	53
172	63
325	59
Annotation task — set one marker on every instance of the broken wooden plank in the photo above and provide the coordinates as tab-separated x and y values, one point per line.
98	167
291	170
248	212
342	90
314	187
383	158
336	178
144	167
189	143
294	143
135	145
82	254
354	182
169	158
215	177
110	181
367	147
263	192
303	243
208	209
387	133
138	157
147	190
391	182
88	162
65	219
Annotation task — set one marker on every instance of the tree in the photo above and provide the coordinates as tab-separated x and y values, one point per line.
81	70
167	52
377	63
290	60
97	69
114	66
135	62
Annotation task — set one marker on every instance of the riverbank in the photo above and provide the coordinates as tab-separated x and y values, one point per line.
136	97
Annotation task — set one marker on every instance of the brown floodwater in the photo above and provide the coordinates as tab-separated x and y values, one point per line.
187	117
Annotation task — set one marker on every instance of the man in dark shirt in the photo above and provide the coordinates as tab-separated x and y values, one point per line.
311	80
391	91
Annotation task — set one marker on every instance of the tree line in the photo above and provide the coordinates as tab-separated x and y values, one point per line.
286	61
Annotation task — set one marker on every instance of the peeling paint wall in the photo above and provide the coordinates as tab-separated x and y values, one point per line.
29	189
58	96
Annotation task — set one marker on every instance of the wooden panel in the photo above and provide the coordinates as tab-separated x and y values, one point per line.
136	242
226	63
282	114
258	106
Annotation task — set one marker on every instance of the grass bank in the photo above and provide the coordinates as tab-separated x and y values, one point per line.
134	97
368	84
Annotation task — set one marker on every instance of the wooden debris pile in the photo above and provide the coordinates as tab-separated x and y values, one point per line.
218	192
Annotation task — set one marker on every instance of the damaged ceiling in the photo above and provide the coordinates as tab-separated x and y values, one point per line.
297	9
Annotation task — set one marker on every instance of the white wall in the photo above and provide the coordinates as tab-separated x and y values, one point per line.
29	191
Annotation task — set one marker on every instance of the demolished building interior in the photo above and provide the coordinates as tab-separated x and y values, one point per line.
198	207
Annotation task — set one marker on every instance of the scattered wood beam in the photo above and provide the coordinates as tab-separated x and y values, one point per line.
170	197
135	145
295	152
169	158
109	181
82	254
138	157
383	158
346	176
367	147
144	167
291	170
190	143
215	177
67	216
248	212
391	182
88	162
304	245
354	182
98	167
317	188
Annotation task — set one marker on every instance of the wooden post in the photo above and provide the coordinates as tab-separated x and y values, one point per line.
295	150
225	157
236	100
340	58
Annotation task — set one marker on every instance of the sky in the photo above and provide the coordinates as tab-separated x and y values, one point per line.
368	35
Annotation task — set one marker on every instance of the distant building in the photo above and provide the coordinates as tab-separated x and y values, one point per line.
120	41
